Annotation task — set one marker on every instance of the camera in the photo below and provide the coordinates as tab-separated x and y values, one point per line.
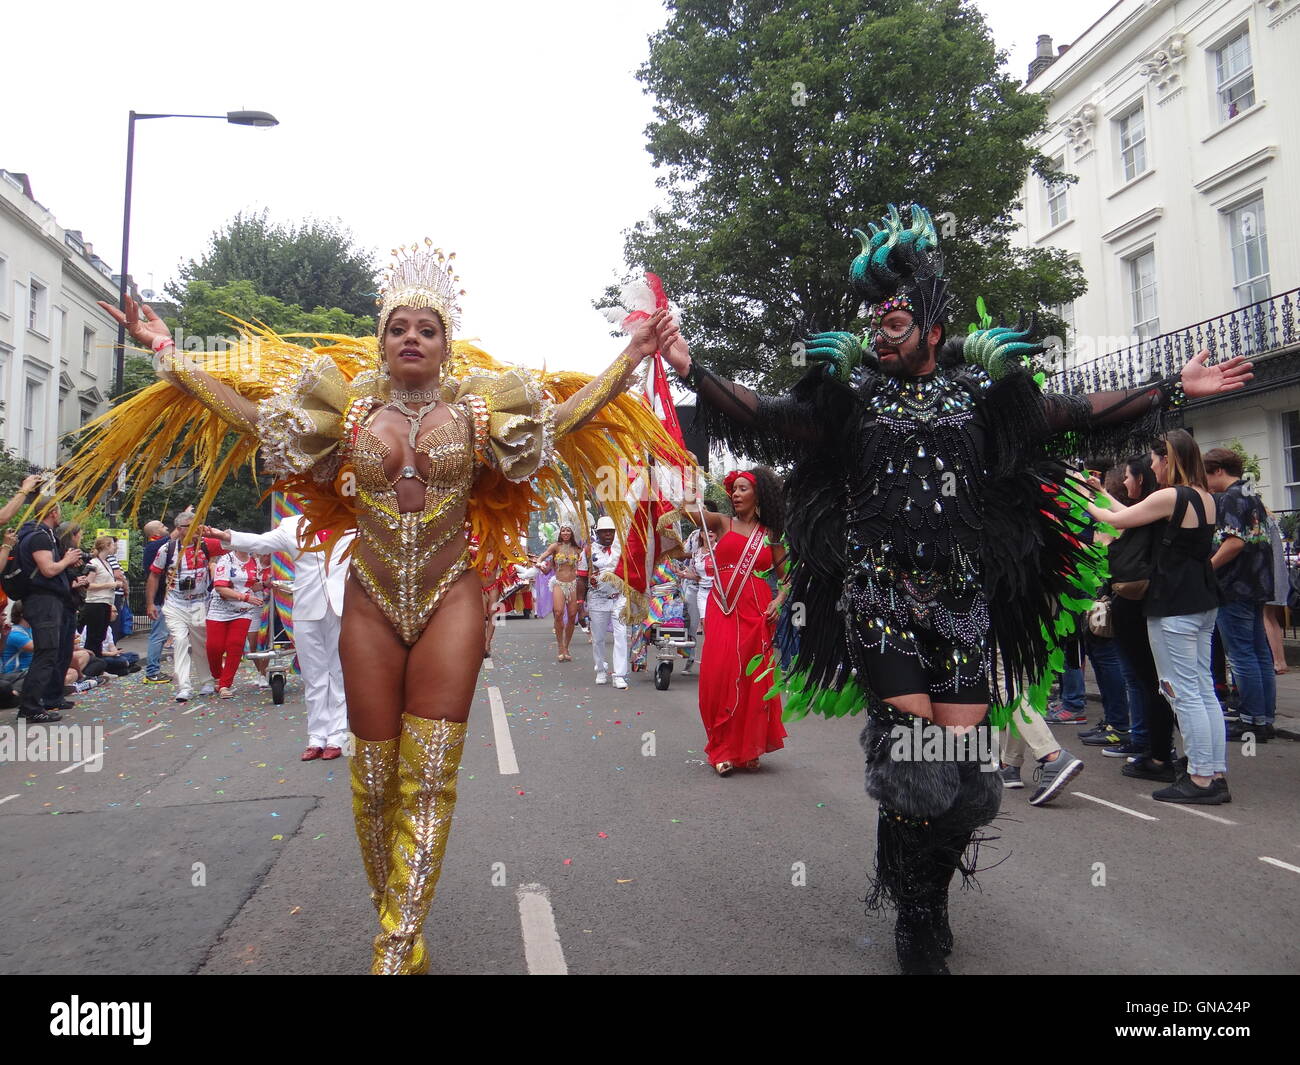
185	584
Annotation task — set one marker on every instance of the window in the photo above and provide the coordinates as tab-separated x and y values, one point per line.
1248	242
1058	208
32	420
1065	312
1133	143
1234	76
4	285
1291	448
38	297
1142	294
87	346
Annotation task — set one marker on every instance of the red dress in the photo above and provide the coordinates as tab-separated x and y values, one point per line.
740	723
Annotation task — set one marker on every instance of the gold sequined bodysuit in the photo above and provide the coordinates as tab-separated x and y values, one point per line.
406	560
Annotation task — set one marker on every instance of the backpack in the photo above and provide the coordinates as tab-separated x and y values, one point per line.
16	577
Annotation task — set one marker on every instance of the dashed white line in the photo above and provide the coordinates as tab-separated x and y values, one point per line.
120	728
488	664
190	710
146	732
506	761
1193	810
8	797
1271	861
1114	806
542	950
84	761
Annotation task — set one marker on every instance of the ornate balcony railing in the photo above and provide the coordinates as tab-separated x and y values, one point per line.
1254	330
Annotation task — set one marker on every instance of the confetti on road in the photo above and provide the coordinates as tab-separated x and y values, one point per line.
820	805
568	861
277	837
602	835
296	909
622	881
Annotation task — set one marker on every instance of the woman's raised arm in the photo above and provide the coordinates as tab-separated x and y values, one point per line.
152	332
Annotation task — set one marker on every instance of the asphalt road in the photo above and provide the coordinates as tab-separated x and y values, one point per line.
204	845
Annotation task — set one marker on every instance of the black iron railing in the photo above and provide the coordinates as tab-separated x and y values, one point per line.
1254	330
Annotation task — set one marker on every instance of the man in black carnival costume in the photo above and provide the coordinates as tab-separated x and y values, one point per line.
932	534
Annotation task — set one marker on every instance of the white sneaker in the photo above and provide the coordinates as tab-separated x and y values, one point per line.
208	689
184	695
620	683
602	678
261	681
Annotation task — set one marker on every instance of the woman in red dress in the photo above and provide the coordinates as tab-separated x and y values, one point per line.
739	625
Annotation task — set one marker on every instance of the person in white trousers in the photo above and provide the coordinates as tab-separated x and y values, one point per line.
184	571
605	604
317	607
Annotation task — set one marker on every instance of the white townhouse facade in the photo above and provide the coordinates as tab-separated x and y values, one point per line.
1180	120
56	345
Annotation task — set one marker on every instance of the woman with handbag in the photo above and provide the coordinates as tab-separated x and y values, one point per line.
1181	603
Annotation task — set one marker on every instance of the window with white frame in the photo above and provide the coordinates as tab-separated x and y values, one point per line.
1142	294
1065	312
5	352
1291	449
4	285
33	394
1132	129
1234	76
38	307
1248	242
1058	206
87	346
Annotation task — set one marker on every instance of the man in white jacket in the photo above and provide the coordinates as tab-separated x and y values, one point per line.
317	608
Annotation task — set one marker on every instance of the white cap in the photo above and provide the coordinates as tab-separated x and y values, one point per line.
605	523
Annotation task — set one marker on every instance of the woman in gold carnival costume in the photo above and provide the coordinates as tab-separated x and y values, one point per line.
417	442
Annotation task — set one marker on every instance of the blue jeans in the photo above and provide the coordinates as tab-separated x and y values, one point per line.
1115	680
1241	627
1073	694
1181	647
157	637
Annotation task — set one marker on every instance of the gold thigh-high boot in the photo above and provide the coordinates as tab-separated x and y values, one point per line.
374	801
428	761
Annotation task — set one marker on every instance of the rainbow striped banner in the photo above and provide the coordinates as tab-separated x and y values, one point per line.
282	506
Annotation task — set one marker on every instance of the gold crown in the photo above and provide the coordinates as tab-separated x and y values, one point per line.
421	277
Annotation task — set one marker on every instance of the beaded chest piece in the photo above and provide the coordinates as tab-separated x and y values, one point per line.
400	557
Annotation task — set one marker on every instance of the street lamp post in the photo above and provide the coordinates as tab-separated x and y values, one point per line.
260	119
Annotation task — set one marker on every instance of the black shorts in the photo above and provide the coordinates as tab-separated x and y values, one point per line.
905	655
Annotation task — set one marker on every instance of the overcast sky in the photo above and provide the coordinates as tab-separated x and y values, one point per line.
510	132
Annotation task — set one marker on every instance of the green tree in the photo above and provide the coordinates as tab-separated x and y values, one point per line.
205	308
313	264
780	126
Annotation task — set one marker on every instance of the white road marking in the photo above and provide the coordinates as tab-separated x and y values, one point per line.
1271	861
8	797
120	728
146	732
488	664
84	761
190	710
1114	806
542	951
506	761
1193	810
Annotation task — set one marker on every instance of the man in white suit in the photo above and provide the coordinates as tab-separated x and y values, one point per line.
317	608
